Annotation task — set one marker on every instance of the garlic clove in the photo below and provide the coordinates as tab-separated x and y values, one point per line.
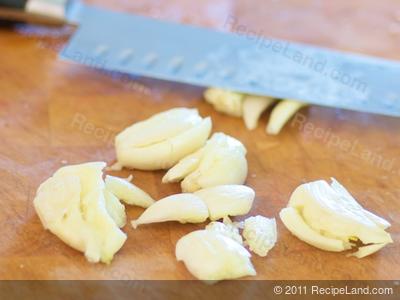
253	107
338	216
227	200
223	162
71	204
128	192
211	256
165	148
184	208
281	114
331	212
159	127
260	234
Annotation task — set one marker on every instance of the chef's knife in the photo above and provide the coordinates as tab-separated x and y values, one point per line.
143	46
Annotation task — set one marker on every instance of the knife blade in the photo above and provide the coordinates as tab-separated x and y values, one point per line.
251	64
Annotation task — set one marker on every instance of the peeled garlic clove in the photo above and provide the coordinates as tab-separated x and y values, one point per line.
325	209
298	227
184	208
281	113
210	256
227	200
71	205
115	209
161	141
330	211
184	167
223	161
260	234
128	192
224	101
228	230
253	107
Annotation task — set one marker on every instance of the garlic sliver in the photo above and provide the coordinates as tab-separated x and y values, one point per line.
184	167
253	107
184	208
128	192
368	250
296	225
115	209
210	256
281	113
260	234
227	200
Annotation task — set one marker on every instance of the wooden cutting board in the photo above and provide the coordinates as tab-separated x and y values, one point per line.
54	113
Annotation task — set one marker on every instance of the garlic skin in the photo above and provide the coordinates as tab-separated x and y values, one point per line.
281	114
184	208
260	234
128	192
328	217
162	140
221	161
227	200
253	107
211	256
71	204
230	103
228	230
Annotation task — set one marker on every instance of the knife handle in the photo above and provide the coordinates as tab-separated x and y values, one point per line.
49	12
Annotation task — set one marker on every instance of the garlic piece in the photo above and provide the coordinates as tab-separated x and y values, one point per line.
182	169
211	256
162	140
115	209
224	101
368	250
227	200
253	107
281	113
332	214
71	204
128	192
184	208
221	161
298	227
228	230
260	234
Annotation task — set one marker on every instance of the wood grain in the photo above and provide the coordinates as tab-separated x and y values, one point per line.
54	112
